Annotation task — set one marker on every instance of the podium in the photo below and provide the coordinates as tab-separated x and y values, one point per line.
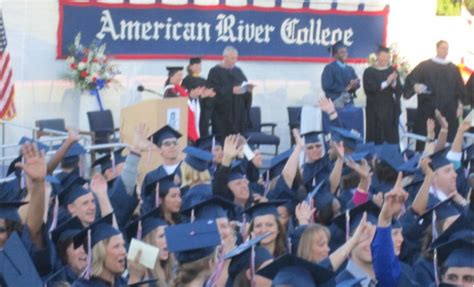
155	114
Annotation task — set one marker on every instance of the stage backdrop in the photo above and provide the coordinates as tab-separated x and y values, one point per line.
274	33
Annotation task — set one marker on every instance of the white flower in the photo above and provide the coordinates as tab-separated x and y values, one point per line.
95	67
81	66
70	60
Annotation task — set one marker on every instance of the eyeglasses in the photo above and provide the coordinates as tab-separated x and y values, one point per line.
313	146
169	143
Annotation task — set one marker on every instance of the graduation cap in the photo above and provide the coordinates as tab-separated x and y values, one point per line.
458	251
350	138
355	215
66	230
13	169
382	48
195	82
107	161
16	266
196	195
335	47
209	208
100	229
460	224
391	156
241	257
192	241
289	270
208	142
41	146
197	158
72	154
11	190
264	208
278	163
438	159
195	60
164	133
411	165
443	209
9	210
72	191
142	226
173	70
311	137
166	181
237	171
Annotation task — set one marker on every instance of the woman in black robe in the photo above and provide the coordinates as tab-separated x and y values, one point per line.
383	89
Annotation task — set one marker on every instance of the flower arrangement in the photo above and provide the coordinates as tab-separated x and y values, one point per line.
90	67
399	63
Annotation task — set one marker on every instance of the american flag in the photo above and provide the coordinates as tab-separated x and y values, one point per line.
7	90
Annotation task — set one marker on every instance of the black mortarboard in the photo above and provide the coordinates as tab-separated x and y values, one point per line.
444	209
41	146
264	208
336	46
194	60
208	208
311	137
72	191
382	48
350	138
147	222
438	159
9	210
100	229
192	241
197	158
207	142
16	267
106	162
67	230
173	70
289	270
278	163
163	133
195	82
356	214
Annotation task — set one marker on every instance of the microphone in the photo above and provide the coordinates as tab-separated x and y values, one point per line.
141	89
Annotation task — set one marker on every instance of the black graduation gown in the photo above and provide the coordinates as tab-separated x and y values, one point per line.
231	112
447	88
383	106
470	90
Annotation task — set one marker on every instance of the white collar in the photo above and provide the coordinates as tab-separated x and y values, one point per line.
439	194
440	60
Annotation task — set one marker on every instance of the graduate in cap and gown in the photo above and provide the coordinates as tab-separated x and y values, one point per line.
383	89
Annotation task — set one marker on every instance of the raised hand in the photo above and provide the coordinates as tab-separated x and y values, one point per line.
430	128
424	164
339	148
99	185
441	119
231	148
360	230
297	136
73	135
326	105
34	164
393	203
135	269
304	212
140	141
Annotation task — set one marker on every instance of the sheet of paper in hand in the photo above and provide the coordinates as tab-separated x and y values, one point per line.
149	253
247	86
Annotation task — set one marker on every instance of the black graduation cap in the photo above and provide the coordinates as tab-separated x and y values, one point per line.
311	137
164	133
9	210
197	158
355	215
66	230
147	222
72	191
194	60
382	48
209	208
13	169
16	267
207	142
195	82
105	162
444	209
173	70
192	241
438	159
350	138
241	256
101	229
289	270
336	46
278	163
264	208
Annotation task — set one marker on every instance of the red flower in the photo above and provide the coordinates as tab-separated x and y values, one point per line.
95	60
84	60
94	79
73	66
84	74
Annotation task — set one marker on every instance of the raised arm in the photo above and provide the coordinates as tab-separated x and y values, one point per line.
336	173
291	166
443	132
421	199
73	136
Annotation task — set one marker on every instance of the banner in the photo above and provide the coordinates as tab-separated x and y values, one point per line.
180	31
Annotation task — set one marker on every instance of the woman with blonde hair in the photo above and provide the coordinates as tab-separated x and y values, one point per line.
195	167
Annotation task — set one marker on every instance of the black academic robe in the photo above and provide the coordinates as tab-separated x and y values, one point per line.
470	90
446	85
231	111
383	106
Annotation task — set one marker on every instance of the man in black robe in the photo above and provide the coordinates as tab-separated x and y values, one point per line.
439	85
233	97
383	89
470	90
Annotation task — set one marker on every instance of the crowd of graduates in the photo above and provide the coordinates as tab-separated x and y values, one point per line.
332	210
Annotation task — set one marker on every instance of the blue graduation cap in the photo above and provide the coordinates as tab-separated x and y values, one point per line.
72	191
196	195
75	150
209	208
462	223
458	251
16	267
264	208
391	156
192	241
206	142
311	137
100	229
13	169
9	210
144	224
411	165
237	171
197	158
11	190
164	133
106	161
166	181
438	159
355	216
443	209
241	256
278	163
41	146
289	270
350	138
67	230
